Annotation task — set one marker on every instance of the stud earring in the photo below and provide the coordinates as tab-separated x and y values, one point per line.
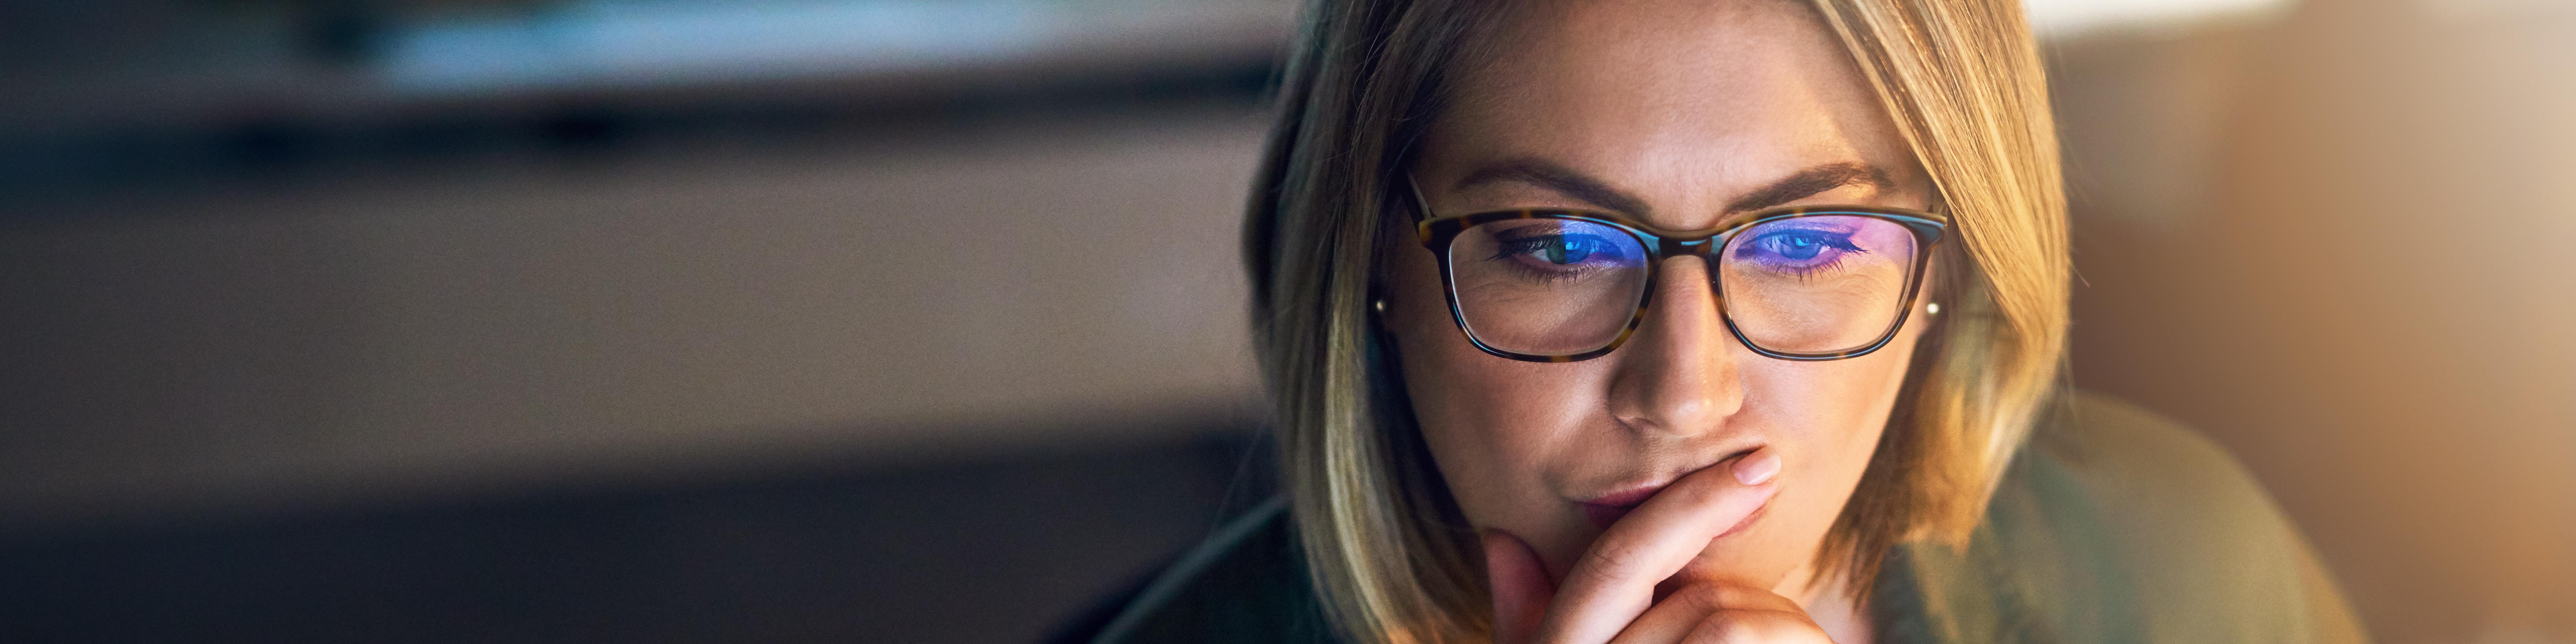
1378	305
1932	308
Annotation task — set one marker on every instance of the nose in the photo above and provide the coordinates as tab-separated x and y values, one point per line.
1677	377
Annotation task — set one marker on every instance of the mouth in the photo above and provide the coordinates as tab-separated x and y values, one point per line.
1607	509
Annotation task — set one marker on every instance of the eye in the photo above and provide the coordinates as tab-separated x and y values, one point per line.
1561	249
1796	245
1551	251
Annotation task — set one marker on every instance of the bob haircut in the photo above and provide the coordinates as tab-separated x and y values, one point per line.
1386	548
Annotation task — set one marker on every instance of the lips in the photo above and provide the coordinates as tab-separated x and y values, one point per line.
1607	509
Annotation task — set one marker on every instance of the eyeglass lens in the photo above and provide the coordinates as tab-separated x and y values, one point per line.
1806	285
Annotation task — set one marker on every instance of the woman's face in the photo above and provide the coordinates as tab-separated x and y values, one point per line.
1679	113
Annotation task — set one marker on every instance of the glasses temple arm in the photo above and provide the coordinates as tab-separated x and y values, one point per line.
1421	206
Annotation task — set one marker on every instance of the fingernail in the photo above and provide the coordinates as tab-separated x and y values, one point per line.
1756	468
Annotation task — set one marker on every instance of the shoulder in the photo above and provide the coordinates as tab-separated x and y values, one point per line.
2118	523
1246	583
2162	482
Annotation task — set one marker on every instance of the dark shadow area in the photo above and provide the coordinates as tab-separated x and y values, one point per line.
1001	549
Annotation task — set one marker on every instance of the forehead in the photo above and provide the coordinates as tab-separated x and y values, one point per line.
1676	100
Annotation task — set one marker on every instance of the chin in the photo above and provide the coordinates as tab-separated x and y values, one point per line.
1755	556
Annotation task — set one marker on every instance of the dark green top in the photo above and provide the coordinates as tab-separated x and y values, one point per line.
2113	525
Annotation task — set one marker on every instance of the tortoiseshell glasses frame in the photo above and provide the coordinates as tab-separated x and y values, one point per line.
1438	232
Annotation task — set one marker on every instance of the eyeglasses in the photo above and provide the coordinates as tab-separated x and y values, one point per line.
1793	283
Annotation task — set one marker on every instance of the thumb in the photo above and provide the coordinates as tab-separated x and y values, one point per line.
1520	587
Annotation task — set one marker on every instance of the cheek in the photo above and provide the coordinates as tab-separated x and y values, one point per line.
1833	405
1836	408
1835	411
1493	425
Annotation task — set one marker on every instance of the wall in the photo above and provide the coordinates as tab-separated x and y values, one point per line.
660	313
2340	245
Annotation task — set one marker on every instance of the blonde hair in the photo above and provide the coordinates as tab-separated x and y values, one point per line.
1387	551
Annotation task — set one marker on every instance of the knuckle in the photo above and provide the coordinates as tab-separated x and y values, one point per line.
1754	627
1708	596
1605	564
1720	595
1722	627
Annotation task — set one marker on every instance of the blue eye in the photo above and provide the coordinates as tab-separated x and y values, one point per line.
1795	244
1561	249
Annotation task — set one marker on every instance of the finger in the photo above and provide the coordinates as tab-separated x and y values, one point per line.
1520	587
1757	627
1681	614
1615	580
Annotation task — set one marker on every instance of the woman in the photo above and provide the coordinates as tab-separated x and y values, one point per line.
1650	321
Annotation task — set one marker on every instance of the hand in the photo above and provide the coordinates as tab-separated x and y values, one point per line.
1609	595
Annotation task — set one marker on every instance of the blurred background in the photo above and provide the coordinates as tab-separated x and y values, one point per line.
916	320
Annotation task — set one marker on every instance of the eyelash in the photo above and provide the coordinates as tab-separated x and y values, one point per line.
1839	241
1517	246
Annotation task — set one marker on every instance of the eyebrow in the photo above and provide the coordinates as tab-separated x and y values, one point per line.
1811	182
1799	185
1545	174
